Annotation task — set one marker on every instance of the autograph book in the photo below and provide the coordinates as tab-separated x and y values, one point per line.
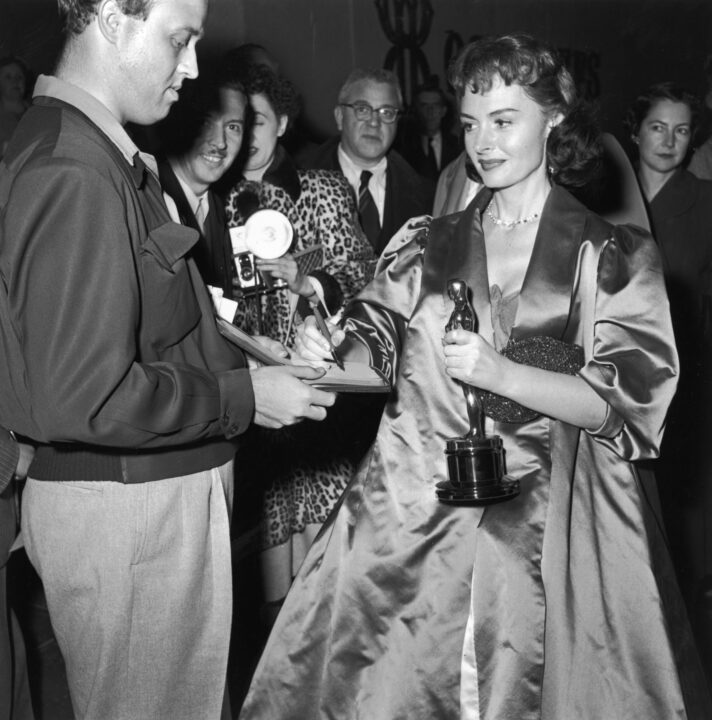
355	377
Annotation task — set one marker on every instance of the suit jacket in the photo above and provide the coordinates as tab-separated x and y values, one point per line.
407	193
213	251
681	218
411	148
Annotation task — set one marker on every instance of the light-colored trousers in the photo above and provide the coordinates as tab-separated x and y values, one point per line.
138	582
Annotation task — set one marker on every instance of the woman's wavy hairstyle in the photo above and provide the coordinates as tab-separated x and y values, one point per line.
259	79
641	106
573	148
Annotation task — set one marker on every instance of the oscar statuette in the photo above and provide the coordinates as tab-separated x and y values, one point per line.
476	464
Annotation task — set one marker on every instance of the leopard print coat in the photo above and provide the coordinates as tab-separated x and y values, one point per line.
322	211
324	214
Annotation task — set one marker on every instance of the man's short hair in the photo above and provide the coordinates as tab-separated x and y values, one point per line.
77	14
379	75
431	84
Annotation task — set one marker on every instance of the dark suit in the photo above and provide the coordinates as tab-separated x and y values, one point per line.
407	194
681	221
411	148
213	251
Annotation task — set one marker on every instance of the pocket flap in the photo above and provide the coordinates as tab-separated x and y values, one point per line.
169	242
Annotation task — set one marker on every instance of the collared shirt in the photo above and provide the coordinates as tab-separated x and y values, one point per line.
193	200
97	112
437	142
377	183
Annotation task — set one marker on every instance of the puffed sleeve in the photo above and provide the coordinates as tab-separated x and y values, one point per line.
633	362
378	318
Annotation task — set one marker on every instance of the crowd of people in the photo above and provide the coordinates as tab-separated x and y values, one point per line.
138	443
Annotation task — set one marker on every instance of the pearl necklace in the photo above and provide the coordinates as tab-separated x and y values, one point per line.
509	224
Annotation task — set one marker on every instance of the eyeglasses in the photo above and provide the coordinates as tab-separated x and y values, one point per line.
363	111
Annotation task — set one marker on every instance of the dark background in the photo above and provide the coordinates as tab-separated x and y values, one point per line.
614	47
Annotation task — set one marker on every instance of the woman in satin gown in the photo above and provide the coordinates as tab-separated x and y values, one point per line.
560	603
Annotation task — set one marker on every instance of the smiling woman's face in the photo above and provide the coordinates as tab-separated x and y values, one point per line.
664	136
505	135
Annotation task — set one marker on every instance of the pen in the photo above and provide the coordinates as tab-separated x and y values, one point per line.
324	330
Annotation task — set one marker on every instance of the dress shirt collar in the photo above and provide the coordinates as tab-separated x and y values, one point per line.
376	183
437	142
193	199
97	112
352	171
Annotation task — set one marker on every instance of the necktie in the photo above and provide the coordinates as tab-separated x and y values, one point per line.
367	210
201	211
432	157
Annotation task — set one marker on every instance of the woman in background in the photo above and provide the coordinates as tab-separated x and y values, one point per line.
304	470
662	123
15	84
559	603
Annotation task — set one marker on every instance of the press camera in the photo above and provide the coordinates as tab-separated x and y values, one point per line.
267	234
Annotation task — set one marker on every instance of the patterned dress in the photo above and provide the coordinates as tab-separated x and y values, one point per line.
322	212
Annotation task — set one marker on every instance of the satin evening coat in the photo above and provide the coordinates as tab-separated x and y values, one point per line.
576	614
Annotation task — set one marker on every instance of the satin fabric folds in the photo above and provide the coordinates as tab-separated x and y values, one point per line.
575	611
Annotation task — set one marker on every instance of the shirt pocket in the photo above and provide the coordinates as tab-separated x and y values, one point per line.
170	309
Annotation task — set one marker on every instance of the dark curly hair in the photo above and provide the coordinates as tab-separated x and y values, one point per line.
573	148
259	79
77	14
641	106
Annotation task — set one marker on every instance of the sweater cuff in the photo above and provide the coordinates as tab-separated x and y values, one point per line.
237	401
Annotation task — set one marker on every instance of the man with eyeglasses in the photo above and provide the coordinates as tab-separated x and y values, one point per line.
388	190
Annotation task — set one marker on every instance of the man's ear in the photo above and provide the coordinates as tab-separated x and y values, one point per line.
339	117
109	18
